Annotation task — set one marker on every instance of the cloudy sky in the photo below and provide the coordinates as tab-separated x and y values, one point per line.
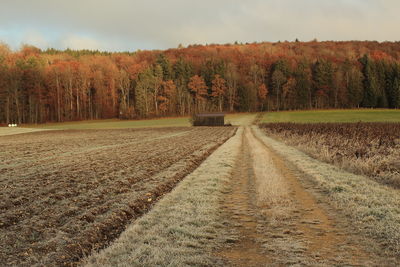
121	25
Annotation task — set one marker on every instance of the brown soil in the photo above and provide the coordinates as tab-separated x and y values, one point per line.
65	193
306	234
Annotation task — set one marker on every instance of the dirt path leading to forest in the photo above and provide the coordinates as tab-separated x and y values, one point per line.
276	220
241	206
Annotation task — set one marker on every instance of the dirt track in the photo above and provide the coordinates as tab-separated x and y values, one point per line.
67	192
280	222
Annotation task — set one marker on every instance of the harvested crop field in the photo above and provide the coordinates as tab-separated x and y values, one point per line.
66	193
370	149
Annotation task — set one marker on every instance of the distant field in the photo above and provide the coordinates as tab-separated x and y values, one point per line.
16	130
235	119
115	124
343	115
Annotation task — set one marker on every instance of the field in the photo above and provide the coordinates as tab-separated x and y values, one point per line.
370	149
114	124
65	193
316	116
17	130
234	119
132	193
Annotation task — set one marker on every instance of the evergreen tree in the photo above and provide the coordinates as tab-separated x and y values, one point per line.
371	87
396	93
355	87
323	83
166	66
302	76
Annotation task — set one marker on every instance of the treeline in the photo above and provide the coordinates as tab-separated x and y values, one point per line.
40	86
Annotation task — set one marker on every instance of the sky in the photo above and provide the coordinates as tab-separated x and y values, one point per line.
129	25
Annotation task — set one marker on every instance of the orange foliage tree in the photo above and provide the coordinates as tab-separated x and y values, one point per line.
218	90
198	88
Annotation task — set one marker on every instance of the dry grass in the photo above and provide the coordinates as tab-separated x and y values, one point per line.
271	187
240	119
185	226
372	207
64	193
370	149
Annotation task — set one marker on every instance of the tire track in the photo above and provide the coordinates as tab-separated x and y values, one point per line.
277	221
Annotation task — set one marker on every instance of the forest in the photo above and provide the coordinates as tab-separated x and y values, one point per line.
38	86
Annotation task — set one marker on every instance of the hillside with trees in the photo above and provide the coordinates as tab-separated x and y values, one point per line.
53	86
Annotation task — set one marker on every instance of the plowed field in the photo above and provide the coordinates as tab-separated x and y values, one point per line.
65	193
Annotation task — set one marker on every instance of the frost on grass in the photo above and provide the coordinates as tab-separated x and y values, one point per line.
368	149
372	207
183	228
272	189
67	193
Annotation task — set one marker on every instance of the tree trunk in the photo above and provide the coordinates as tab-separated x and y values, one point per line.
58	99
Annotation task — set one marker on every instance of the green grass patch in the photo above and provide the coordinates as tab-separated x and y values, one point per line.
115	124
235	119
341	115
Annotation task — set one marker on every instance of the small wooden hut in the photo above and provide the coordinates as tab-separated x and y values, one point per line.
208	119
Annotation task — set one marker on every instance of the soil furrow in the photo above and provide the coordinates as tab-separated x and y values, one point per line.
58	212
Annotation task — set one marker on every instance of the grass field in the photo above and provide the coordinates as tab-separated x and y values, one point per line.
342	115
234	119
115	124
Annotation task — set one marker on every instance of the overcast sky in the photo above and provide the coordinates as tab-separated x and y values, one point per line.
120	25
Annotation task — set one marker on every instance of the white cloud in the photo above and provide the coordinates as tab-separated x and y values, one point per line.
80	42
35	38
150	24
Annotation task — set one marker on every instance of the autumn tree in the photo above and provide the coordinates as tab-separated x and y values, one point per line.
218	90
166	97
262	95
5	111
157	81
232	78
53	85
198	89
124	99
143	92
